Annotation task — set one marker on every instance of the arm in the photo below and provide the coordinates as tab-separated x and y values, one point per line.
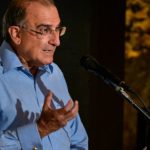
28	136
54	119
79	138
77	133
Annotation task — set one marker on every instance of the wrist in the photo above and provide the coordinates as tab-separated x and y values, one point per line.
41	129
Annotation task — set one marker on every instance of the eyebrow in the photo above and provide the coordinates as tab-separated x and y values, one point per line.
47	25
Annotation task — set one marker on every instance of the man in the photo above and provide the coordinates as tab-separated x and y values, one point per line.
36	111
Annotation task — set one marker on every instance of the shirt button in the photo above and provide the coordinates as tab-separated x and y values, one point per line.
34	148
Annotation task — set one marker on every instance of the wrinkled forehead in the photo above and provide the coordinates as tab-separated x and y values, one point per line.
37	13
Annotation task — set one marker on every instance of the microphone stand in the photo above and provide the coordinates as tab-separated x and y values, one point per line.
119	89
126	96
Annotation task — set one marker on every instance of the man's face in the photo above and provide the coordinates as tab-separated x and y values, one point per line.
36	49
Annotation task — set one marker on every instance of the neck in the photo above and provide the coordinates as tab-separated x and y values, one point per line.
33	70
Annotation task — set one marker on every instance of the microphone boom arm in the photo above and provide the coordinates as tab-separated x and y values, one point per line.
126	96
120	90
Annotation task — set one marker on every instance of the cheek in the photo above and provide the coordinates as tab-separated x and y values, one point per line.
35	53
33	48
30	52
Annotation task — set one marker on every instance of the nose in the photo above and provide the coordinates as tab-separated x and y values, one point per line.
54	38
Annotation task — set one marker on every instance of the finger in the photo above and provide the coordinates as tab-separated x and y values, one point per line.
73	112
47	101
69	105
67	108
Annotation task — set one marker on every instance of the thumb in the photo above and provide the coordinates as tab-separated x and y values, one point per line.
48	100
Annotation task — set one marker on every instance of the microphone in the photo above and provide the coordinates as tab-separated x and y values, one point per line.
92	65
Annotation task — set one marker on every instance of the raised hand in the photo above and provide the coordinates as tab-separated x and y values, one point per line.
53	119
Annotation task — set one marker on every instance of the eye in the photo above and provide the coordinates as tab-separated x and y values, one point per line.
58	29
44	30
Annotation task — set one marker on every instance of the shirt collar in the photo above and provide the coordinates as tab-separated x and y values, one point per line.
48	68
10	60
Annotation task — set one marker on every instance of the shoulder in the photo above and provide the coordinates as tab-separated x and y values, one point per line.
57	74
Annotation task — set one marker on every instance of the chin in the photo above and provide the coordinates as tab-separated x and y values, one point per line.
48	62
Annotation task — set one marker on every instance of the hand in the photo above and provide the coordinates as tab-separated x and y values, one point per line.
54	119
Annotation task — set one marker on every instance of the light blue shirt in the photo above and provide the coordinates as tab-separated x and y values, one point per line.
21	101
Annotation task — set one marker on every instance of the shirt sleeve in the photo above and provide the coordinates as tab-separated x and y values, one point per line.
77	134
23	138
79	138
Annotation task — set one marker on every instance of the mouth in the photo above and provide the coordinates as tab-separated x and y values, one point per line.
48	51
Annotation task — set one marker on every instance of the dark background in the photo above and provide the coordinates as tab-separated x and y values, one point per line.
95	28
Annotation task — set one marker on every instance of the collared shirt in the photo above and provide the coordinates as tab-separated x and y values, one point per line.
21	101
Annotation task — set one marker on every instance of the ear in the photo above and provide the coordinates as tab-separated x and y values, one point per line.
14	32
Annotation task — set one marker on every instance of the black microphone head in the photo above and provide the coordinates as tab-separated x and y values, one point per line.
92	65
83	61
89	62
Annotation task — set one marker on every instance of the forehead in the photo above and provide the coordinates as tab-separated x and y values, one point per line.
39	14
